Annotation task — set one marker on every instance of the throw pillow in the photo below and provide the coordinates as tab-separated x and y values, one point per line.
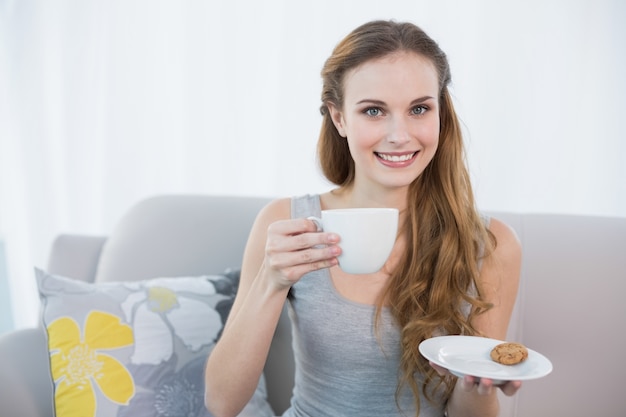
136	348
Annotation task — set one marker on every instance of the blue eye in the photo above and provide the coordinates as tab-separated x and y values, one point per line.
418	110
372	111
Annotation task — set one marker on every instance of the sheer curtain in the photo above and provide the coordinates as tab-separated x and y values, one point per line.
103	103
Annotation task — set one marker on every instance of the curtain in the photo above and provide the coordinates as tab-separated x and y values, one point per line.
103	103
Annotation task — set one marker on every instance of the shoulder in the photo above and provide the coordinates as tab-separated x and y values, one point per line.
279	209
501	268
499	280
508	246
272	212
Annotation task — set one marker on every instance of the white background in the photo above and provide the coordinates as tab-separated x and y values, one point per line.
103	103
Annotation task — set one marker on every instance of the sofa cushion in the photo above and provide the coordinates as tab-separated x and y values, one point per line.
135	348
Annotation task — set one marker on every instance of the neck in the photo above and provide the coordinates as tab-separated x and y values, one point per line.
353	196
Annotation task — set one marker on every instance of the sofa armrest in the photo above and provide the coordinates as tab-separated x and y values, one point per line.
25	374
25	379
76	256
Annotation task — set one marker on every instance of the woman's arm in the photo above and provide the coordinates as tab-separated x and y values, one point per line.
278	252
499	282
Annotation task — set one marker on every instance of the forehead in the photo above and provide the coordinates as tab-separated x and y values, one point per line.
402	73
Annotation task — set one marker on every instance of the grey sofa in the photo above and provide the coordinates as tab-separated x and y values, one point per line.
570	306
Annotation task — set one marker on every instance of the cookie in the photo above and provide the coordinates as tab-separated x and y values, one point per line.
509	353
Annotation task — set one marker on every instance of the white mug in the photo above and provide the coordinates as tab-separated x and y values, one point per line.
367	236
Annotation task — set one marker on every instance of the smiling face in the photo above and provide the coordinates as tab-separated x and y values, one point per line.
390	118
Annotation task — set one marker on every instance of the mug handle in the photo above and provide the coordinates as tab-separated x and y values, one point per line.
317	221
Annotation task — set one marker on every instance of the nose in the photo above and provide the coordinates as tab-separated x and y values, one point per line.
398	132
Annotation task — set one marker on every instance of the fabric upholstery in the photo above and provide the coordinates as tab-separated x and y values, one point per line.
570	303
135	348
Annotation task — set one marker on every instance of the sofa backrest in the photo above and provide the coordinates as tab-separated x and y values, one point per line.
570	305
187	235
177	235
571	308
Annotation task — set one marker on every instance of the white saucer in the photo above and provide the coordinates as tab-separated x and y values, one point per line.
469	355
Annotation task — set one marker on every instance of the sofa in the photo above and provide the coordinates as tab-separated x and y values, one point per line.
570	305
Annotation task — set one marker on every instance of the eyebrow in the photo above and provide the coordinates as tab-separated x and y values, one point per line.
381	103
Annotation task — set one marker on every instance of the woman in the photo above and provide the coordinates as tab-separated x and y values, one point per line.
390	138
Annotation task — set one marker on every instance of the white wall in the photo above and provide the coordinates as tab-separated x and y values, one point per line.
103	103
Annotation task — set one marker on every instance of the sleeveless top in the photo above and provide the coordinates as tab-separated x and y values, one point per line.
344	366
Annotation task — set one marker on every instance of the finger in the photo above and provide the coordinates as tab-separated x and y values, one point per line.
511	387
310	240
294	273
293	236
485	386
468	382
439	369
308	259
293	226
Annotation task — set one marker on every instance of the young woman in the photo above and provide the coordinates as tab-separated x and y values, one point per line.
390	138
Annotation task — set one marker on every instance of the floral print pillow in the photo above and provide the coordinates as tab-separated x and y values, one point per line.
136	348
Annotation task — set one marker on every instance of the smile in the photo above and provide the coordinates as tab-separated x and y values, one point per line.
395	158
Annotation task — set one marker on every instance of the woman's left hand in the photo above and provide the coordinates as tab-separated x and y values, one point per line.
483	386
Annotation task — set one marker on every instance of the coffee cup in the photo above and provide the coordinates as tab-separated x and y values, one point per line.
367	236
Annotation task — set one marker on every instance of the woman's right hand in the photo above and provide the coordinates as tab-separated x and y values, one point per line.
295	247
278	253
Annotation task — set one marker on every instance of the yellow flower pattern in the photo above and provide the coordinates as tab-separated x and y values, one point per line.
80	363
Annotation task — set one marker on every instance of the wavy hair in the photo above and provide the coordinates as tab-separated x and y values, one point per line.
434	289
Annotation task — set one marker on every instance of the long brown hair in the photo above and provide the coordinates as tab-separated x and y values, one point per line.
434	288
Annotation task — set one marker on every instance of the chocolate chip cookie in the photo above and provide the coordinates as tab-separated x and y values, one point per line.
509	353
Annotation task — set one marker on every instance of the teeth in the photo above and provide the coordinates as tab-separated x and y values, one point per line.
396	158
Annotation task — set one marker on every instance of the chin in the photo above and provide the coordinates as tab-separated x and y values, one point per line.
399	183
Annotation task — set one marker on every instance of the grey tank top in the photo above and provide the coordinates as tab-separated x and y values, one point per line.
343	368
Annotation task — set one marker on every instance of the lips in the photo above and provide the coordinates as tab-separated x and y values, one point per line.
395	157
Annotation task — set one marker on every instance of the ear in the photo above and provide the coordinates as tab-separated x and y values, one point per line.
337	118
